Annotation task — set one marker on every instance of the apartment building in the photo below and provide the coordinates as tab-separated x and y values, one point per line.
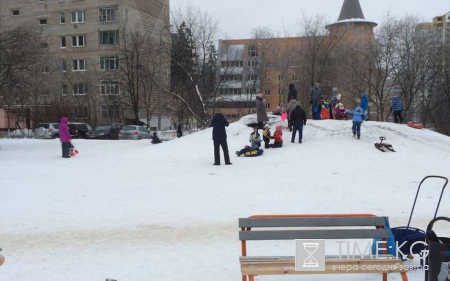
269	65
440	25
84	38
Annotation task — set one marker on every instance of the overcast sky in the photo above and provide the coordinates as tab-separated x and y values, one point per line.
238	17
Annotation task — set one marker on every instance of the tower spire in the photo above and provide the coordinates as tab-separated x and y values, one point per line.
351	9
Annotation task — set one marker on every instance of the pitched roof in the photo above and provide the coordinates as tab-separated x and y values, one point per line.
351	9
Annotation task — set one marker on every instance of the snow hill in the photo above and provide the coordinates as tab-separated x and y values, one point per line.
130	210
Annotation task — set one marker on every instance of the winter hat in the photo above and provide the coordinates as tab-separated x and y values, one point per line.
260	95
341	105
339	96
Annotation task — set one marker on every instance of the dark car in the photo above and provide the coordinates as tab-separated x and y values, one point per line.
105	132
79	130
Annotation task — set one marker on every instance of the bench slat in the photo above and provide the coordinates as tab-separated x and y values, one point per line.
314	234
311	222
286	265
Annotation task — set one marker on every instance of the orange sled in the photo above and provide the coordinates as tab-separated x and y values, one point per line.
415	125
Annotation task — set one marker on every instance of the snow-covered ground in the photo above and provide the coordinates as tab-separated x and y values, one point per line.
130	210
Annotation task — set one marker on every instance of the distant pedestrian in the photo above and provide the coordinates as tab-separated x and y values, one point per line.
292	92
315	100
64	137
289	108
358	117
397	107
219	135
260	108
155	138
333	102
298	117
179	131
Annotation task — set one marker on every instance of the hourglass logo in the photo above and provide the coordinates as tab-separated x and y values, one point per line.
310	255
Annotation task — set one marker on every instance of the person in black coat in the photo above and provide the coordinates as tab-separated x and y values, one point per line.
179	131
298	117
219	134
292	92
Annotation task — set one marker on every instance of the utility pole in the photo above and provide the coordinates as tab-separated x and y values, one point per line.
160	75
369	91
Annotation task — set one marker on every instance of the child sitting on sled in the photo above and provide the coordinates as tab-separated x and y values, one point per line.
266	136
255	143
278	137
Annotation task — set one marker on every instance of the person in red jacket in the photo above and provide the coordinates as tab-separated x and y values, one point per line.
278	137
64	137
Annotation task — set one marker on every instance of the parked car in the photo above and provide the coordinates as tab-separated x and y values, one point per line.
79	130
132	132
105	132
46	131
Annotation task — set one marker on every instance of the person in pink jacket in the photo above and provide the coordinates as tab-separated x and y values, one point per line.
64	137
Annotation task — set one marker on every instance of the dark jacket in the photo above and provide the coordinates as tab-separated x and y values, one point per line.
261	114
179	131
397	104
218	123
292	92
298	115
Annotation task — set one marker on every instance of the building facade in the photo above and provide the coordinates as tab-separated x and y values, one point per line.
85	40
269	65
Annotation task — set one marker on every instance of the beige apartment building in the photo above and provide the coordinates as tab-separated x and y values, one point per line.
84	38
440	24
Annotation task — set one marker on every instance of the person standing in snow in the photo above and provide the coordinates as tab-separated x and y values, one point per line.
298	117
315	98
334	100
64	137
155	138
179	131
358	117
397	107
260	108
219	135
292	92
364	104
289	108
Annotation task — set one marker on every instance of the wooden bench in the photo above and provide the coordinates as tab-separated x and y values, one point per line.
334	227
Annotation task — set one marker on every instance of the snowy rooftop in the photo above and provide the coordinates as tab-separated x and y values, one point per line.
130	210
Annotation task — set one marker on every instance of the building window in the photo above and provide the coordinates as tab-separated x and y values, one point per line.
109	37
63	63
63	42
64	90
42	21
280	78
62	18
110	111
268	105
42	1
280	91
44	45
252	51
252	77
111	87
79	65
15	12
107	15
267	64
267	92
356	29
294	63
77	17
267	78
347	27
45	69
109	63
80	89
78	41
294	77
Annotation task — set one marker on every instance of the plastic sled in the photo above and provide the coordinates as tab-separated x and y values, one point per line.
73	152
254	153
283	116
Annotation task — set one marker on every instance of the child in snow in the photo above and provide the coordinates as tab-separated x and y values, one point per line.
155	139
278	137
358	117
255	142
266	136
339	111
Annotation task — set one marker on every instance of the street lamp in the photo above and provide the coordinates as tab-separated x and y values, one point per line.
160	75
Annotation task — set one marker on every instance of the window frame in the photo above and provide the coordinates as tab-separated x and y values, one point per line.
63	65
104	18
13	15
43	21
76	62
78	41
62	18
107	85
106	60
64	87
77	19
85	87
101	37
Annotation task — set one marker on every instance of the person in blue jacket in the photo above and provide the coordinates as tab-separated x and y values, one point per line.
397	107
255	142
358	117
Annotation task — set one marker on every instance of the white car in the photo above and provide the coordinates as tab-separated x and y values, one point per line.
133	132
47	131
